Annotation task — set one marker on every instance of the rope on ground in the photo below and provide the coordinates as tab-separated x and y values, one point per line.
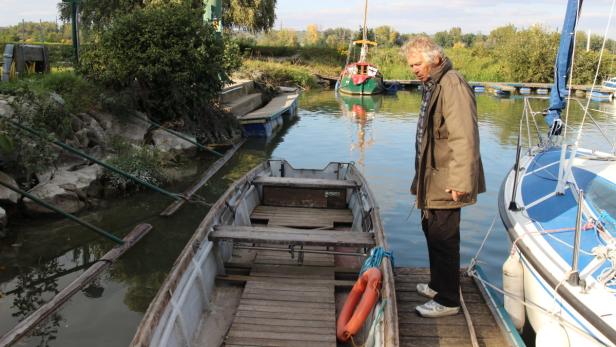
469	321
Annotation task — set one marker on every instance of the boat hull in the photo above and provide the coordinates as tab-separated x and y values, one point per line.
188	303
371	86
533	228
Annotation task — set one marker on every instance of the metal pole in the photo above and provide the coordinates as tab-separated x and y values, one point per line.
103	164
513	206
74	30
64	213
574	278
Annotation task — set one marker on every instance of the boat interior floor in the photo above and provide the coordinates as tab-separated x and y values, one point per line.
275	297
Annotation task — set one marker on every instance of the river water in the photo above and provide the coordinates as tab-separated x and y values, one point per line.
41	257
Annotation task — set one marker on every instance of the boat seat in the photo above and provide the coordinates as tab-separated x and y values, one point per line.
288	236
304	192
296	182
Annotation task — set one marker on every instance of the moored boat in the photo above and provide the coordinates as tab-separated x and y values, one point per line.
361	77
558	207
272	262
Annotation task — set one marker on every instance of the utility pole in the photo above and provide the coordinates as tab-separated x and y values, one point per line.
213	14
42	31
588	41
74	12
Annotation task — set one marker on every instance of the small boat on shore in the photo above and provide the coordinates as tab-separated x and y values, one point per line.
361	77
274	260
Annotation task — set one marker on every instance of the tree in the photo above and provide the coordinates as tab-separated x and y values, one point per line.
288	38
501	36
443	39
252	15
312	36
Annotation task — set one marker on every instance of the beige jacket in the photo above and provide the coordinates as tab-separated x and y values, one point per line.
449	156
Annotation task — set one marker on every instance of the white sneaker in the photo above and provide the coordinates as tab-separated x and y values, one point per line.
433	309
424	290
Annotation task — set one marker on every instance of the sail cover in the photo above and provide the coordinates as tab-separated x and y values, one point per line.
562	67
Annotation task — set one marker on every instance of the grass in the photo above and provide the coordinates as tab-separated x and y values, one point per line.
79	94
472	64
278	73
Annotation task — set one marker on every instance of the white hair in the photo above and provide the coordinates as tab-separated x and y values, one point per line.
424	46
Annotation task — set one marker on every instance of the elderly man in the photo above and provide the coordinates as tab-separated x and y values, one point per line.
448	169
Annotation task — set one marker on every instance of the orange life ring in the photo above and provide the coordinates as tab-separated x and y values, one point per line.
352	318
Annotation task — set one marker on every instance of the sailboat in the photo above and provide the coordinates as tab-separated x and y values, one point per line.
558	205
361	77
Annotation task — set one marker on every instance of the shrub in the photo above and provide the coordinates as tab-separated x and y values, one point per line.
142	162
29	154
165	52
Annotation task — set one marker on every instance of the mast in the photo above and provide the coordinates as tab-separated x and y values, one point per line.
563	67
364	46
559	90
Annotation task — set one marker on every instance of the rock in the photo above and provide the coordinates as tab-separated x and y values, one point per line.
169	143
95	132
66	190
55	97
5	108
76	123
3	222
82	137
106	120
8	196
132	129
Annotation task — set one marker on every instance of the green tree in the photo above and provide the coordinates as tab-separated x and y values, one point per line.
165	54
531	55
443	39
252	15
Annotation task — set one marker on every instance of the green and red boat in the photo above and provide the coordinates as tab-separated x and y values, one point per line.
361	77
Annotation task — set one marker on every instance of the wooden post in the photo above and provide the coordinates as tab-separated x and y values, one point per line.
211	171
38	316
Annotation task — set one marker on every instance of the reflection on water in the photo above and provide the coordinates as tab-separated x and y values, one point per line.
360	110
40	258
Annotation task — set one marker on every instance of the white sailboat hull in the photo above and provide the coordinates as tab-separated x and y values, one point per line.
586	314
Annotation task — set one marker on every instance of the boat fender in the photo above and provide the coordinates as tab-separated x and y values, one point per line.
353	315
513	284
552	335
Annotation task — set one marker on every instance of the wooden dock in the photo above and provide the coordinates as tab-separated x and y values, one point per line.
505	89
447	331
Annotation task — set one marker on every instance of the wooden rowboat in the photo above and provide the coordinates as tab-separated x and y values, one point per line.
272	263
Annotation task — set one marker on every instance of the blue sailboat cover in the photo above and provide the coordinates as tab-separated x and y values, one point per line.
563	66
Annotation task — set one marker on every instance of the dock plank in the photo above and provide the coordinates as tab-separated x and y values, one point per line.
286	305
452	331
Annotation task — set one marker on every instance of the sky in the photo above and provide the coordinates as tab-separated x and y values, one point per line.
405	16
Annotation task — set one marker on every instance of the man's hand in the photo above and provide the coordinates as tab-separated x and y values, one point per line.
456	195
